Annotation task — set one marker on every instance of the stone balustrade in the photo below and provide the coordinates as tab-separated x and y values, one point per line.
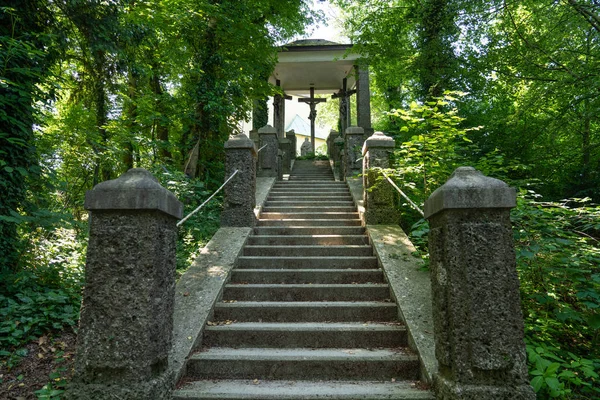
477	315
378	195
239	195
353	143
126	323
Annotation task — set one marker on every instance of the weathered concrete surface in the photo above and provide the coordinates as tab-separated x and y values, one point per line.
126	318
263	186
267	157
477	311
308	390
352	151
411	287
356	189
239	194
134	190
469	188
197	290
379	196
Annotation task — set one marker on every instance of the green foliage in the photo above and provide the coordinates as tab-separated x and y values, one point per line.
557	246
313	156
558	260
431	143
196	231
30	308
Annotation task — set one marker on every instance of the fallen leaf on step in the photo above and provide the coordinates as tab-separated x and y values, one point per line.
256	381
393	379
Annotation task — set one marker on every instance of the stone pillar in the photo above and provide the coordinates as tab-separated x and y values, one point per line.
338	161
279	112
253	135
286	148
240	193
291	136
330	140
476	307
353	143
379	198
363	99
279	165
267	157
126	323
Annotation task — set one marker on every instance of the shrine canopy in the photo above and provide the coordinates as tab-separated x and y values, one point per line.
316	63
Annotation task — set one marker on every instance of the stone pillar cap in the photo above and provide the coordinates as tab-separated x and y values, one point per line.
378	139
137	189
240	141
291	132
338	140
355	130
469	188
284	140
267	129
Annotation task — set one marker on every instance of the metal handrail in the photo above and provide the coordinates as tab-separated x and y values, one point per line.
412	203
258	151
207	200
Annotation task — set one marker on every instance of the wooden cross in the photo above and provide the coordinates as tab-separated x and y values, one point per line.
312	101
344	96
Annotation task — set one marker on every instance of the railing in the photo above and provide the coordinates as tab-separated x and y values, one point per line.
207	200
213	195
412	203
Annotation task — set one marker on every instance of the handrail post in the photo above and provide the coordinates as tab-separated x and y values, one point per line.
126	324
240	194
267	158
479	338
353	143
291	136
379	198
285	145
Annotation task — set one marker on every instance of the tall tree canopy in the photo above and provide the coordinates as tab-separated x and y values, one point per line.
530	68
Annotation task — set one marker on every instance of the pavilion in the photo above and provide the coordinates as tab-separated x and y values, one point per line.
309	67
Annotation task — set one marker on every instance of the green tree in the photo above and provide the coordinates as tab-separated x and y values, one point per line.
23	33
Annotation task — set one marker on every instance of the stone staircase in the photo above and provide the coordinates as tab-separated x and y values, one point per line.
307	313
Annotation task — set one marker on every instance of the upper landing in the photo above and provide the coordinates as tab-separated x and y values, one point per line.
314	63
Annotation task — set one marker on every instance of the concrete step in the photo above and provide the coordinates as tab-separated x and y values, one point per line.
309	188
306	193
309	222
296	311
321	208
308	251
309	230
309	215
315	184
307	262
297	390
303	363
307	276
313	240
305	334
310	198
307	292
312	177
304	203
